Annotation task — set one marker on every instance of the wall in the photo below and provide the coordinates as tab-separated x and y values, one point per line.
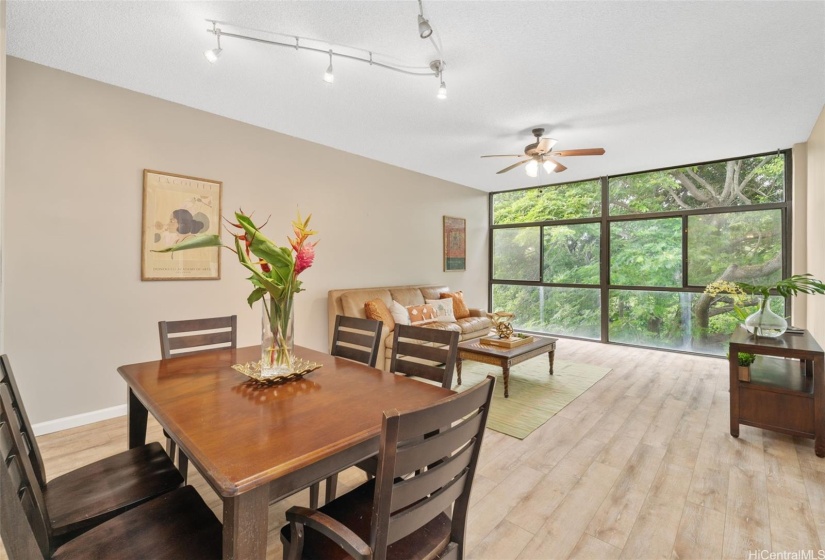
799	241
76	308
2	162
816	225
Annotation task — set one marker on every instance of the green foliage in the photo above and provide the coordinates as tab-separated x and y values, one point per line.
646	253
572	254
553	202
745	358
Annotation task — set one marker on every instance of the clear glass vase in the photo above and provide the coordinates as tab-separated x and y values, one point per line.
765	322
277	345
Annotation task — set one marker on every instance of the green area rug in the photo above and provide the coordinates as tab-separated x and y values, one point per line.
535	395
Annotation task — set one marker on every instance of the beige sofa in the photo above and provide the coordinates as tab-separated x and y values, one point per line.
351	304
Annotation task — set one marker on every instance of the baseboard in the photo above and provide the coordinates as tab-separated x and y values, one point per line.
78	420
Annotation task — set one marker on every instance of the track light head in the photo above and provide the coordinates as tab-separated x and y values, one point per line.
424	27
212	55
329	76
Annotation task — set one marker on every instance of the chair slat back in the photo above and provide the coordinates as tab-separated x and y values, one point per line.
197	335
356	339
426	353
426	463
29	440
21	493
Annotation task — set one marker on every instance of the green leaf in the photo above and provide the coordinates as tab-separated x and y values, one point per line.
196	242
256	294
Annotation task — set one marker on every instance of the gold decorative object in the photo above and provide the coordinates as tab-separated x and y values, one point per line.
253	371
501	320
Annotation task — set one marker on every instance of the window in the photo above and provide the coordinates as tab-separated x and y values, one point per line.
626	259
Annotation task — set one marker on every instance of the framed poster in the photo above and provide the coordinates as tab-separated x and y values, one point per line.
455	243
176	207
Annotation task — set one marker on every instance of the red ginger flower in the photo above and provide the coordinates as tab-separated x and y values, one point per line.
304	258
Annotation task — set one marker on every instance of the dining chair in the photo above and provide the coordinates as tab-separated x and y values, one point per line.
358	340
417	352
192	336
416	507
89	495
175	525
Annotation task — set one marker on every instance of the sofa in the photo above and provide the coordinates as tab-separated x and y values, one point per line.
350	303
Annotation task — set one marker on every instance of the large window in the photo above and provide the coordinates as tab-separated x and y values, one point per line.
626	259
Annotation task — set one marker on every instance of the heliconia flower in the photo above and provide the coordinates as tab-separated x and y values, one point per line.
265	266
302	232
304	258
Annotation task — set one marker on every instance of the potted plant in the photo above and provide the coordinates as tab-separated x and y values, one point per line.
745	359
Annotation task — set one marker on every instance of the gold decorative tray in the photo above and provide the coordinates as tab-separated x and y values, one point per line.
253	371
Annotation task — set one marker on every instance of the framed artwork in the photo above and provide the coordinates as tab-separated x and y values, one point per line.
455	243
176	207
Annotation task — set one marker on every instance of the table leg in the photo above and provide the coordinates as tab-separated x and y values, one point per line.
819	402
505	369
458	369
551	354
137	416
245	525
733	367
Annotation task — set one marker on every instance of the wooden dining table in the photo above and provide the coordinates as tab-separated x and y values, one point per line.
258	444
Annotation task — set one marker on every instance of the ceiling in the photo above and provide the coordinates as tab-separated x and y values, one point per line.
656	84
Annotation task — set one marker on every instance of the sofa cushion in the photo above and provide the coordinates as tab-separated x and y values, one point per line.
433	292
427	325
399	314
460	309
377	310
443	309
474	324
407	296
352	303
421	313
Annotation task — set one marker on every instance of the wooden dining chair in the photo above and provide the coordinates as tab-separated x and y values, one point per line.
426	353
192	336
175	525
417	505
89	495
417	352
356	339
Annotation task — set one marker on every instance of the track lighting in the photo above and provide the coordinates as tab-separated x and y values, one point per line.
532	168
424	27
436	67
213	54
329	77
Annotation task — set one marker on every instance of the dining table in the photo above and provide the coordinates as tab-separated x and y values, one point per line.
256	444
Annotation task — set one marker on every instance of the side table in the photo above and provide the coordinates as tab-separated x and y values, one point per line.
786	392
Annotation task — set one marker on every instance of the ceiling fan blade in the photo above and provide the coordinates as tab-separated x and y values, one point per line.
584	152
545	145
559	167
506	169
506	155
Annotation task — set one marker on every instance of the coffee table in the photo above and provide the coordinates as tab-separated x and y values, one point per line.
504	357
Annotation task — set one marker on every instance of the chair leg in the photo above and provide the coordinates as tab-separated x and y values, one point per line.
332	487
183	464
314	492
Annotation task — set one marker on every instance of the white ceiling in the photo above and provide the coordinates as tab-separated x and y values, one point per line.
655	83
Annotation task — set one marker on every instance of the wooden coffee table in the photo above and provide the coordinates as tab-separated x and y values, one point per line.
503	357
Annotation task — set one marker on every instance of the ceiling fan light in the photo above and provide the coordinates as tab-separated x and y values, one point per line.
442	91
212	55
532	168
549	167
424	27
329	76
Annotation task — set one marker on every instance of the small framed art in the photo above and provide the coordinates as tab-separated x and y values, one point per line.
175	208
455	243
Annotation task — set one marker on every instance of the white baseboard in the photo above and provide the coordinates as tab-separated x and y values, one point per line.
78	420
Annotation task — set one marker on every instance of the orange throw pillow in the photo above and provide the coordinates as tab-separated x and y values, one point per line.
460	309
377	310
421	313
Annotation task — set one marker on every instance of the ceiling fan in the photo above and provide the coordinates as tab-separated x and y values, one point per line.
541	153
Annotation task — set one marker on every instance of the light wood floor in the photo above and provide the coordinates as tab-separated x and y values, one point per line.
640	466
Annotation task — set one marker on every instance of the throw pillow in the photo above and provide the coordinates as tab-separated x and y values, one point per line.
460	309
421	313
377	310
443	310
399	313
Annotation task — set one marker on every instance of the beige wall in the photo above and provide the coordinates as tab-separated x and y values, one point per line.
75	305
799	245
816	224
2	161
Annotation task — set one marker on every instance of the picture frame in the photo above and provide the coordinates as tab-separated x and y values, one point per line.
176	207
455	244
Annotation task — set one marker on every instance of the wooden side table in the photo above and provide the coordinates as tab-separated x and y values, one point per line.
786	392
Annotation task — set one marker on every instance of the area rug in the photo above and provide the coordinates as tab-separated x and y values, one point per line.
535	395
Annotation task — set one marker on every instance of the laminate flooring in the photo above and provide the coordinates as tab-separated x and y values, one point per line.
641	466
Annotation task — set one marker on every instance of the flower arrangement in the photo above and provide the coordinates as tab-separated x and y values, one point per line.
275	272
